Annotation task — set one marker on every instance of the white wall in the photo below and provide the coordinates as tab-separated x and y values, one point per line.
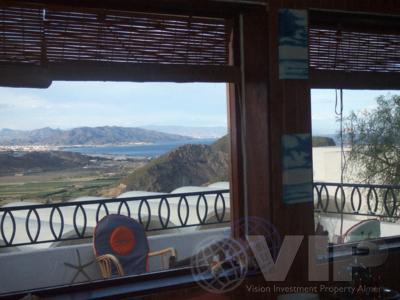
326	164
45	267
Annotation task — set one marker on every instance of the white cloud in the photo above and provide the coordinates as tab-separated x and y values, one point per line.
10	100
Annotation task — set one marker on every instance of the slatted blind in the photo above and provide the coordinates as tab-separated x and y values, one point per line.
343	50
43	36
354	42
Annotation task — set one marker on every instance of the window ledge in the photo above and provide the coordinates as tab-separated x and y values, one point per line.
135	285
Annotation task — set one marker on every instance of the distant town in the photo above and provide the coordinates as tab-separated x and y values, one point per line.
27	148
44	148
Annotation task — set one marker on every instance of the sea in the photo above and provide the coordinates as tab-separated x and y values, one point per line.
135	151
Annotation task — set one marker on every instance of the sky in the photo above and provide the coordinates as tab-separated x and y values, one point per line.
323	106
73	104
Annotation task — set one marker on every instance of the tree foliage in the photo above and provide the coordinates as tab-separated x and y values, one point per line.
374	137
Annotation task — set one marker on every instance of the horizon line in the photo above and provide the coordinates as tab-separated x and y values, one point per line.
120	126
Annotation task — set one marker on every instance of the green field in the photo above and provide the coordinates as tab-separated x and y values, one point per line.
57	190
54	190
46	185
56	186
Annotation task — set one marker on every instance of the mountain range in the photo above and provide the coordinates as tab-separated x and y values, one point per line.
200	132
86	136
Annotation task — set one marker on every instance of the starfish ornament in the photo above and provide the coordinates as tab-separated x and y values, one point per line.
80	267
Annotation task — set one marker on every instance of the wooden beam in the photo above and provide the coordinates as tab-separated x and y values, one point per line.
289	113
208	8
321	79
255	116
253	122
236	141
25	75
94	71
390	7
359	22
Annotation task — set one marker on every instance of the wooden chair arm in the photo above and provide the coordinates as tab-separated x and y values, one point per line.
106	262
163	251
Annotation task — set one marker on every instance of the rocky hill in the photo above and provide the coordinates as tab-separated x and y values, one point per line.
85	136
187	165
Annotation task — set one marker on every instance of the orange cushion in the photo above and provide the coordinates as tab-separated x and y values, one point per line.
122	240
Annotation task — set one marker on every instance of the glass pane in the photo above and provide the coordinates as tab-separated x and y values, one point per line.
81	154
355	161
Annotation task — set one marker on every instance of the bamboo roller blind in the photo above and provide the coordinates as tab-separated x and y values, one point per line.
40	36
370	45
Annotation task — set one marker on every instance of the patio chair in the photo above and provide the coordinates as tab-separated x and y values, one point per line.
363	230
121	247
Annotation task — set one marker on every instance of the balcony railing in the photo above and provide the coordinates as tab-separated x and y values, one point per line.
75	220
357	199
56	222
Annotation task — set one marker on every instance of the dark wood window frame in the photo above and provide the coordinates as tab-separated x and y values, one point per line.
21	76
365	23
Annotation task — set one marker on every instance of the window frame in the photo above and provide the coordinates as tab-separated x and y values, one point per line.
365	22
148	283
